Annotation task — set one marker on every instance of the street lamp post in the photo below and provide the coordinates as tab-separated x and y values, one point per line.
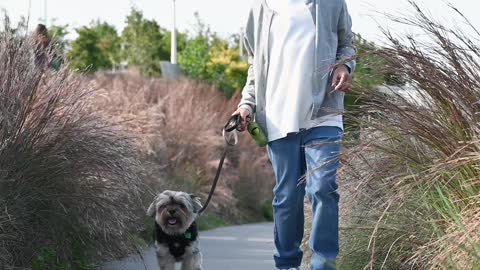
45	13
170	69
174	36
242	53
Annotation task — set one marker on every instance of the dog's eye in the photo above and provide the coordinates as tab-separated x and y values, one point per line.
183	206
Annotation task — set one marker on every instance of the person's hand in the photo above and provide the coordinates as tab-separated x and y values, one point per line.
342	80
245	118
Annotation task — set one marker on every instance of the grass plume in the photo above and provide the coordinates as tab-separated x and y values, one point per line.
68	177
413	180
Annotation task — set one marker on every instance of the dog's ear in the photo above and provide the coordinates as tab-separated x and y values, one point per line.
152	208
197	205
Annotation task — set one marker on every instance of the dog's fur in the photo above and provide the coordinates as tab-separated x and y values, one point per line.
175	234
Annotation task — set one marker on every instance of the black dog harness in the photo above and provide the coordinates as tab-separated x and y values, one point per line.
177	244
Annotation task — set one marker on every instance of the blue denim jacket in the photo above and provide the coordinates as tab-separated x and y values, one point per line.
334	44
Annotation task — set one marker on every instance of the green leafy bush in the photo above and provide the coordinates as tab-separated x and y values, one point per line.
227	70
144	44
97	47
194	58
210	221
208	58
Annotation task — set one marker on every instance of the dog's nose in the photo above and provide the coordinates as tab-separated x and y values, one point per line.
171	212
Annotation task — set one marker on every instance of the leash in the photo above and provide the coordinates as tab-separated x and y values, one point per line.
230	135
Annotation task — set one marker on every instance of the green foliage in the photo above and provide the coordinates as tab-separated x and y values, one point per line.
167	39
210	221
256	205
49	259
145	44
366	74
368	62
57	34
203	56
207	57
108	42
194	58
96	47
365	79
226	69
267	210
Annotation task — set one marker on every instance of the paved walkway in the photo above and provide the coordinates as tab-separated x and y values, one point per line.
243	247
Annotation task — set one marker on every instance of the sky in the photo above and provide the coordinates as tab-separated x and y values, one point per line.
225	17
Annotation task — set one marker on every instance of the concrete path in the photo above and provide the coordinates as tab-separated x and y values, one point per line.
247	247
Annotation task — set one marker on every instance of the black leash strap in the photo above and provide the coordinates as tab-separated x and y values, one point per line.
215	181
231	139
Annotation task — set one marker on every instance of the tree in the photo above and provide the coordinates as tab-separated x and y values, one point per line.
182	39
57	34
109	42
96	47
207	57
226	69
144	43
194	57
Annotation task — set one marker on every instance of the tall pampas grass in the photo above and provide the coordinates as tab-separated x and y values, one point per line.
178	126
413	181
68	177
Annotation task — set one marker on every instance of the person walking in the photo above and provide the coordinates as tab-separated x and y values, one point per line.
301	59
42	42
45	54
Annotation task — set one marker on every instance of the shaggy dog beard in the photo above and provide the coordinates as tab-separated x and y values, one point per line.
175	211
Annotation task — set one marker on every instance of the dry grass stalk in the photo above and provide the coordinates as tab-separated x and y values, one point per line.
68	177
414	176
178	126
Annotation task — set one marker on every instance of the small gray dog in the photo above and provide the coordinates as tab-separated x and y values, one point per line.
175	233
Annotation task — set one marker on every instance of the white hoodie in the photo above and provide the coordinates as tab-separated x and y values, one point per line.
289	86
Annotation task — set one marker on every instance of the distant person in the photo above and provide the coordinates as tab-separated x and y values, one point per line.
301	60
42	42
45	55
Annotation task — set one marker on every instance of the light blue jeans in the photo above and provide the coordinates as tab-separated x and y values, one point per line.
312	153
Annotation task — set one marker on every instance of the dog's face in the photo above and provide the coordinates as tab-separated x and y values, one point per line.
174	211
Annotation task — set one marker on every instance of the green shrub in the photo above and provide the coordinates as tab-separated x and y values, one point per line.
49	259
144	44
267	210
97	47
227	70
207	57
210	221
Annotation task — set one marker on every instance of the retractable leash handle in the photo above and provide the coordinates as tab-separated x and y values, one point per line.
233	123
253	129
